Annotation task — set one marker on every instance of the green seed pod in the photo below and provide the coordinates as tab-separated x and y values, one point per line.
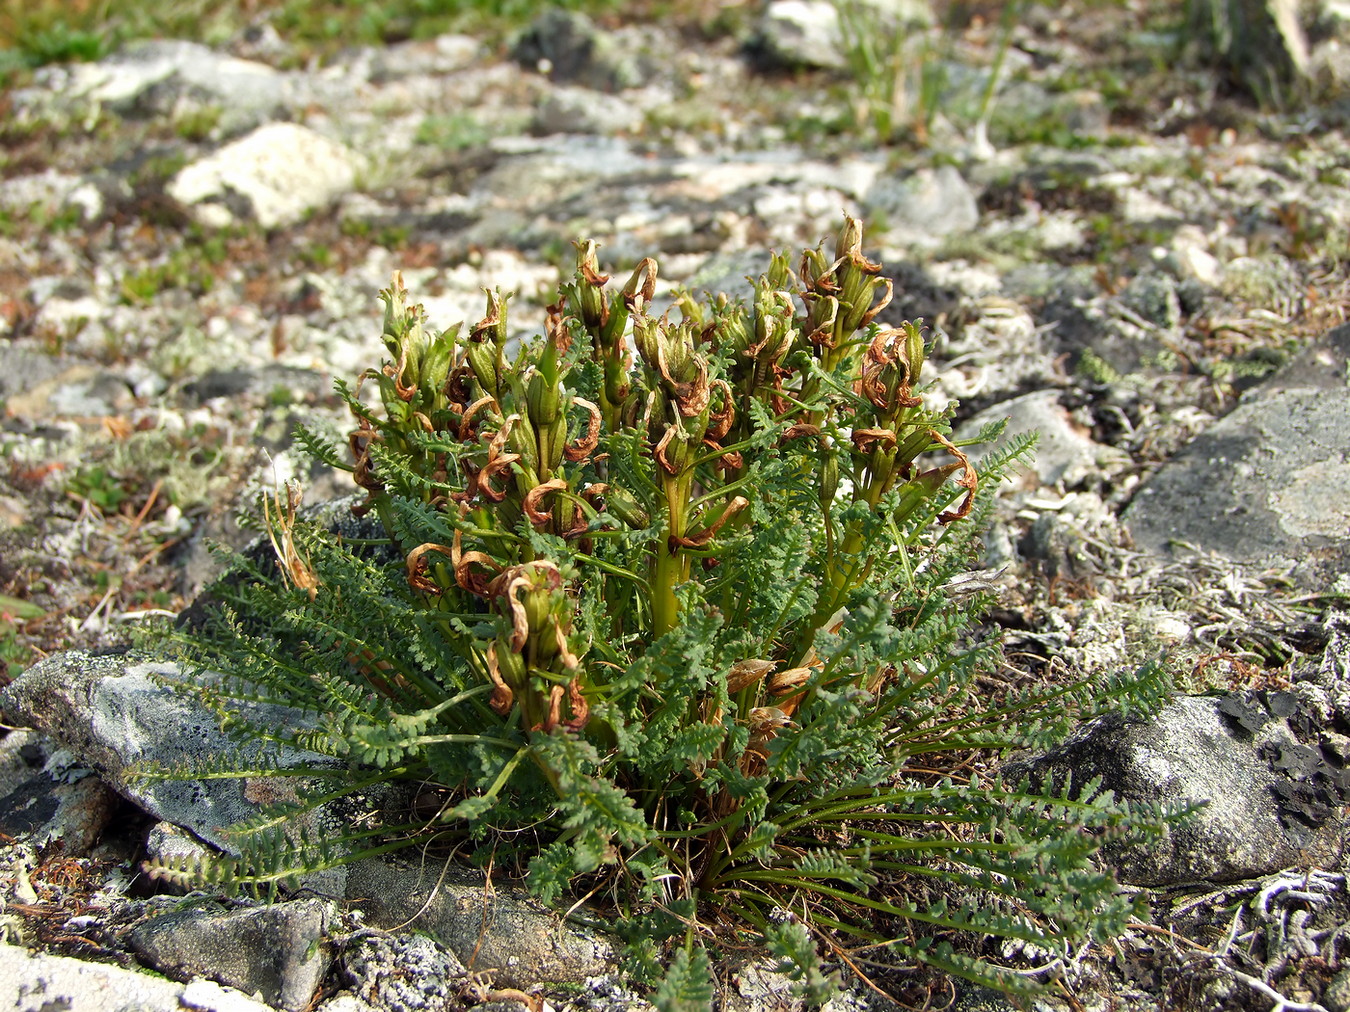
483	362
914	352
544	399
524	441
912	445
492	327
624	506
829	476
779	276
552	455
774	330
589	294
440	356
510	665
922	487
647	338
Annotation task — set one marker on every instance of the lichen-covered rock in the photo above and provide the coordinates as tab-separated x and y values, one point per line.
1269	483
109	710
403	972
1264	798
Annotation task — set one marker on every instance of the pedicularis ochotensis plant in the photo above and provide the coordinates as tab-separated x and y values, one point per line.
674	593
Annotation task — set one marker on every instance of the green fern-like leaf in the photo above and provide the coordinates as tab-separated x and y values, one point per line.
687	986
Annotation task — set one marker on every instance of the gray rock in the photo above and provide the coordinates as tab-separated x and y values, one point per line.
272	176
1066	455
1268	484
24	369
571	49
584	111
110	712
276	951
800	33
1270	801
45	983
76	813
442	55
925	204
1025	108
52	193
492	929
403	971
151	77
796	34
1337	995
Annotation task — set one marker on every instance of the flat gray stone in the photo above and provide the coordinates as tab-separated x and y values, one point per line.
148	77
403	971
488	928
274	951
1269	483
37	981
924	203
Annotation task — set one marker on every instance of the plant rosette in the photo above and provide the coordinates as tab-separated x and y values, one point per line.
662	608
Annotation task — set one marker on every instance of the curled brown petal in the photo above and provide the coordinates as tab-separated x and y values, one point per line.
483	329
700	539
660	452
509	581
690	397
470	489
637	294
578	528
970	481
581	710
871	314
497	463
593	277
465	422
475	583
395	373
554	717
555	327
730	460
492	468
719	423
570	660
502	696
799	431
864	439
358	441
583	447
417	567
824	283
534	497
595	492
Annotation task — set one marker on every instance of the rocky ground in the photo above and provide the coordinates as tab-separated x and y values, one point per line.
1108	242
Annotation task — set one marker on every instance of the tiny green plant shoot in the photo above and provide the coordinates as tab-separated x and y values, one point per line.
662	606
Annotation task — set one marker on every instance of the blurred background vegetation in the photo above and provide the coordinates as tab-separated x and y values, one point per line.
37	32
1252	42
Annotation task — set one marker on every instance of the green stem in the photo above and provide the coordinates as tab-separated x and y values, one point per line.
671	565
